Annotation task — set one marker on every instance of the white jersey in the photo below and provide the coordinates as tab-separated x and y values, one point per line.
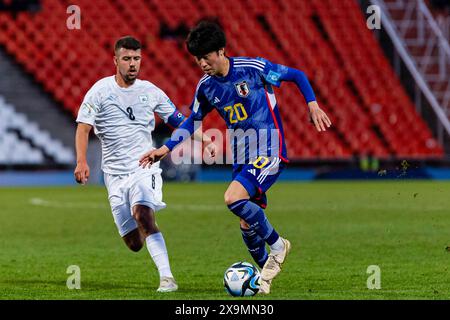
123	119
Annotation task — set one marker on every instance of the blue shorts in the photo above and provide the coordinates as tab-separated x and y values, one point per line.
258	176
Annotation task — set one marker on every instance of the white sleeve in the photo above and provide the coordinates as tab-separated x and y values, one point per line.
90	107
164	106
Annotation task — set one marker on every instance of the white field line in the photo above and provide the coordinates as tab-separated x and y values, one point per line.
86	205
40	202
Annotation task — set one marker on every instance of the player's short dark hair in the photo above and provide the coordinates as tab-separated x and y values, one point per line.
127	42
204	38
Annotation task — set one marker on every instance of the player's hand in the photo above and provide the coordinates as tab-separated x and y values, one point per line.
81	172
153	156
211	149
318	117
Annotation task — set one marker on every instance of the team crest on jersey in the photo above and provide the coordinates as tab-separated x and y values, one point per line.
143	98
242	89
87	109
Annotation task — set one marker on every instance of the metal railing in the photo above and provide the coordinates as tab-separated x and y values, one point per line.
417	29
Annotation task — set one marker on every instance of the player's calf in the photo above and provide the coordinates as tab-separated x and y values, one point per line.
145	218
255	244
134	240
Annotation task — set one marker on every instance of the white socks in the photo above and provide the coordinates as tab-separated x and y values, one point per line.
277	246
157	249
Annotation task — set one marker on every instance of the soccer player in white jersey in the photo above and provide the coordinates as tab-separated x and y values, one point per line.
121	110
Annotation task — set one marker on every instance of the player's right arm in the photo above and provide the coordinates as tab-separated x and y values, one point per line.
184	131
85	119
156	155
81	172
200	108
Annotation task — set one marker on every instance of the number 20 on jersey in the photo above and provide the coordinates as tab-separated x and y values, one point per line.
236	113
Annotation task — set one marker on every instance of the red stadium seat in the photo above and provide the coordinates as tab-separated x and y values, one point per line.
353	81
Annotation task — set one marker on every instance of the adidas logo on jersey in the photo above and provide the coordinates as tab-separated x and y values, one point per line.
252	171
216	100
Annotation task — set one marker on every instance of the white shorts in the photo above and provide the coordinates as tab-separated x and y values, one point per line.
144	186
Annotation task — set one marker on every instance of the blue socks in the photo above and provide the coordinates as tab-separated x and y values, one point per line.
256	246
256	219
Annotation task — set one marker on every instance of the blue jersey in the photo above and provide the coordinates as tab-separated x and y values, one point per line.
246	101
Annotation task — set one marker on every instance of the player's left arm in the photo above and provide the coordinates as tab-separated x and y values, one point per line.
317	116
276	73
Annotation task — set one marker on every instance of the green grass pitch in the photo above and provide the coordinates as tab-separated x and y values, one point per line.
337	230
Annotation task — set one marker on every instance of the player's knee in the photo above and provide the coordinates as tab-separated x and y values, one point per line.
235	192
142	213
227	199
145	218
230	198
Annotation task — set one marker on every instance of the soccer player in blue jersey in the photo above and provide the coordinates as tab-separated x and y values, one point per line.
240	89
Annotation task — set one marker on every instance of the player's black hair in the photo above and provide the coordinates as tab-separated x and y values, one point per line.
127	42
204	38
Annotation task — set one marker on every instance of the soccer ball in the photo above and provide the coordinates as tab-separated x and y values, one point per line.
241	279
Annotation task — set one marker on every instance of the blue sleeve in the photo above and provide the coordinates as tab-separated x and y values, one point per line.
275	73
200	108
300	79
181	133
176	118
